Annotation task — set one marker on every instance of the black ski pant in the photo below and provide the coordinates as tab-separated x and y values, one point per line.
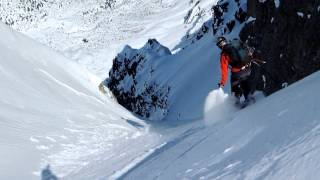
240	83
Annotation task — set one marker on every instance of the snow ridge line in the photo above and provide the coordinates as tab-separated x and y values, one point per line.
70	88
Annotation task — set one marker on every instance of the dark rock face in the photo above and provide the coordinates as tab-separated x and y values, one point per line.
287	38
241	15
228	14
218	11
132	82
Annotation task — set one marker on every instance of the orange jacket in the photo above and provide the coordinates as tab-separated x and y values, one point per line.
225	60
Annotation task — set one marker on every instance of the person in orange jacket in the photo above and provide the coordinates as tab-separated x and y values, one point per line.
240	73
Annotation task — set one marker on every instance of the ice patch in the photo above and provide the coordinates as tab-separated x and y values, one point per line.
300	14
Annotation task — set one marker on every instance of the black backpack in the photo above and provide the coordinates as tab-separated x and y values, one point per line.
240	53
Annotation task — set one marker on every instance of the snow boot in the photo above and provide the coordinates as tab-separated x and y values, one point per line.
247	102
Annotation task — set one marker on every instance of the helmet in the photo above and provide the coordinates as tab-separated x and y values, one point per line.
221	41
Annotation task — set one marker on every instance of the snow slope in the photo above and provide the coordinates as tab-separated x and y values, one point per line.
51	107
277	138
50	113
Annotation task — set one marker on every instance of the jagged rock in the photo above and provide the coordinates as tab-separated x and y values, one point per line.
251	8
287	38
223	23
203	30
218	12
241	15
132	83
230	25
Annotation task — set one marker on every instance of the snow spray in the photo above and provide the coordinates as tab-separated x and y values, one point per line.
218	107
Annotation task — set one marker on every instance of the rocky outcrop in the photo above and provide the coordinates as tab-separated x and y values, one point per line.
132	82
286	35
228	14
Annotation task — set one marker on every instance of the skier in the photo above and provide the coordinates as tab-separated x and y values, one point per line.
238	58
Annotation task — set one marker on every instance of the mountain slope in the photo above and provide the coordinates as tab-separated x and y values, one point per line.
192	70
51	114
278	142
51	108
92	34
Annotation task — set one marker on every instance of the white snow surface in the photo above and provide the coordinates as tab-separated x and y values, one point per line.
133	22
301	14
276	138
51	114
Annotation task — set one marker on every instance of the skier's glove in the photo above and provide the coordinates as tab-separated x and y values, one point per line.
220	85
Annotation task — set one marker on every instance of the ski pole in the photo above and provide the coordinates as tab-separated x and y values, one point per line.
259	63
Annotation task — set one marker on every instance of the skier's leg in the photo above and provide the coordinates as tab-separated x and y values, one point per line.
236	90
245	86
